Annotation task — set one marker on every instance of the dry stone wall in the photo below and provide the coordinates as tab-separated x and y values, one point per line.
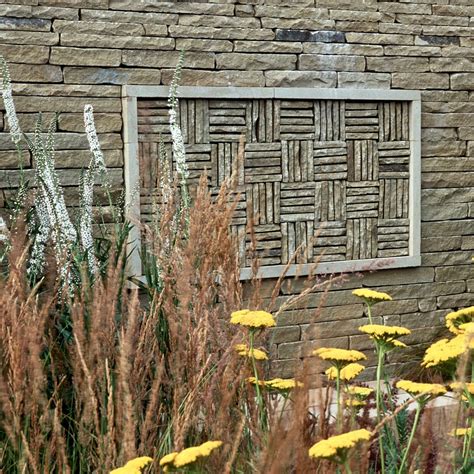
66	53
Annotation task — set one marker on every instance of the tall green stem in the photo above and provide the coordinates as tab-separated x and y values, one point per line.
410	439
347	467
261	416
378	396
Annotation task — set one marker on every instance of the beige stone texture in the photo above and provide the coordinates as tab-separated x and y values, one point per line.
216	78
126	42
25	53
267	47
300	79
208	45
330	62
34	73
255	62
129	17
384	39
218	33
85	57
119	76
104	123
396	64
424	80
29	37
99	28
162	59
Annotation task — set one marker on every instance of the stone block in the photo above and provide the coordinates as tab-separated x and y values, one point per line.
304	23
29	37
35	73
129	17
416	8
458	272
447	120
424	80
98	28
444	213
468	243
424	290
172	7
378	38
120	76
25	53
9	159
331	63
466	133
178	31
219	21
470	286
357	26
456	52
451	64
164	59
447	31
456	228
389	64
437	134
295	12
254	61
456	301
294	35
412	51
437	244
363	80
334	313
66	90
395	276
300	79
446	258
82	158
77	3
447	180
427	304
216	78
285	334
437	149
399	29
351	15
26	24
55	13
62	104
395	307
285	368
266	47
19	11
332	329
85	57
435	40
444	96
447	107
467	9
462	81
193	44
155	30
343	48
119	42
104	122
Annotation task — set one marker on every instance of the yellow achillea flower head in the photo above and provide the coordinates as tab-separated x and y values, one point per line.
134	466
445	351
336	356
338	445
460	432
354	403
282	384
359	391
371	296
349	372
463	386
253	381
386	335
188	455
252	319
415	388
244	351
456	318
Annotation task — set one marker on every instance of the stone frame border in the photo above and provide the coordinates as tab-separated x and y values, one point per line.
130	94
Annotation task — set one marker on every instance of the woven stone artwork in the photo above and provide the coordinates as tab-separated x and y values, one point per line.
331	176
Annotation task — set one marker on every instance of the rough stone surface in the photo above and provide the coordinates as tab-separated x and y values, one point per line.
363	80
85	57
329	62
120	76
255	62
300	79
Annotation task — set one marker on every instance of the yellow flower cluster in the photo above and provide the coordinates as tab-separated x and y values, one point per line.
276	384
244	351
447	350
386	334
339	355
339	444
371	296
349	372
463	386
359	391
252	319
415	388
456	318
134	466
188	455
460	432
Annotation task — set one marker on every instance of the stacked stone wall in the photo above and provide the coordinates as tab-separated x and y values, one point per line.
66	53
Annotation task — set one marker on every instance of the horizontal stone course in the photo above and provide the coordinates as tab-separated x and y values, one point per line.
255	61
85	57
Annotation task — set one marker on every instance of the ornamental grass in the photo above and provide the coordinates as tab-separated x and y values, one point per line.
104	374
